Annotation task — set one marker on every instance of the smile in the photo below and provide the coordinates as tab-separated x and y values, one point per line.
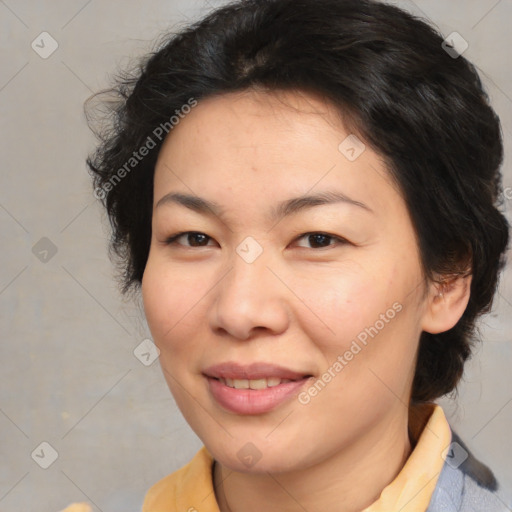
254	383
254	396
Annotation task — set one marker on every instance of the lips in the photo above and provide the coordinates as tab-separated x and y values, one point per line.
253	371
253	389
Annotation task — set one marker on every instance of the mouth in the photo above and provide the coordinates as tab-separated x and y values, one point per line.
253	389
264	383
256	372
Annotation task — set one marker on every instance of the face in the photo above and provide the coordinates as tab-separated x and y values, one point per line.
331	291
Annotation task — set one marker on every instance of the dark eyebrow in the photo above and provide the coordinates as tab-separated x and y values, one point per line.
283	209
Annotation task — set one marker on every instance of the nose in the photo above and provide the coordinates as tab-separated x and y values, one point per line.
250	298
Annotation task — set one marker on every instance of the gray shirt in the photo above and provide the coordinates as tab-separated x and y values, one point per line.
467	487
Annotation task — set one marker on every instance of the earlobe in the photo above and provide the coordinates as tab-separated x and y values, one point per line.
446	303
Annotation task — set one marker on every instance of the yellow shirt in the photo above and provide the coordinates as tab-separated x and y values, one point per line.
191	487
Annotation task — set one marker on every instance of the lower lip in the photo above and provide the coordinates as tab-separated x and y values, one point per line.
253	401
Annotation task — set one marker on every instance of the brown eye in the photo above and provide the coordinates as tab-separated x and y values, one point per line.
194	238
321	240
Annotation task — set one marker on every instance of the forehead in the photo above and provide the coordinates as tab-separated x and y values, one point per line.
250	119
281	143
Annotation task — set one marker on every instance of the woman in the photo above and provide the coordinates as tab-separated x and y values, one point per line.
304	192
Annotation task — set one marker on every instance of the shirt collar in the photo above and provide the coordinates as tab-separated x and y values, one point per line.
413	487
191	487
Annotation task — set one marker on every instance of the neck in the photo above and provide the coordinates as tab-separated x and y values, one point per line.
347	481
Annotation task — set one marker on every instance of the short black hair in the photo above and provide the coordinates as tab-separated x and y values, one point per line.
386	71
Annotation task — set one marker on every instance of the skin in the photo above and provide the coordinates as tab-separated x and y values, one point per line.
297	305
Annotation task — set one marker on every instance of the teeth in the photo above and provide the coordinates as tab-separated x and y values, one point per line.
258	384
241	383
254	383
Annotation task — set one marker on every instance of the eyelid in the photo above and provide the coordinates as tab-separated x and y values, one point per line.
338	239
170	240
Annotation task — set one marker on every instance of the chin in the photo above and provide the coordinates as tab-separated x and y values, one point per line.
251	457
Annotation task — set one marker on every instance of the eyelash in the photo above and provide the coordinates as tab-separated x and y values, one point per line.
172	240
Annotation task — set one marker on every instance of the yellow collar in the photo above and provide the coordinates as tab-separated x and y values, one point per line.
191	487
413	487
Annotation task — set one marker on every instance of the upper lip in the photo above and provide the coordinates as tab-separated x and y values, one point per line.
258	370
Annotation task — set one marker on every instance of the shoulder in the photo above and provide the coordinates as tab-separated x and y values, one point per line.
78	507
187	489
468	486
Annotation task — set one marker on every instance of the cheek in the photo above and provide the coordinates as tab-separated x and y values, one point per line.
171	301
370	321
340	305
171	304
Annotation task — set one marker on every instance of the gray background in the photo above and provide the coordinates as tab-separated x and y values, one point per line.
68	374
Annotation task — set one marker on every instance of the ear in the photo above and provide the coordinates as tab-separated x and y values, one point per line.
445	303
